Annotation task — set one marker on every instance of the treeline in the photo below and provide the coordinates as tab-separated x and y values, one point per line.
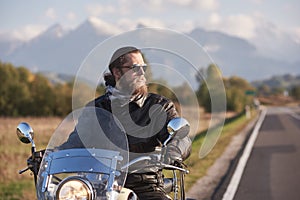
23	93
238	92
267	91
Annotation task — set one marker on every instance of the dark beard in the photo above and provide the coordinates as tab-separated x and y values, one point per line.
131	88
141	91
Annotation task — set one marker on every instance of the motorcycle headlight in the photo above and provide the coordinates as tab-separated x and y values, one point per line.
75	188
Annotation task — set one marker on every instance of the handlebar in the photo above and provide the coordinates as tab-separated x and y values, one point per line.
172	167
136	160
156	162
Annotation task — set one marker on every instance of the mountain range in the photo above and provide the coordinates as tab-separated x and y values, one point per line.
285	81
62	51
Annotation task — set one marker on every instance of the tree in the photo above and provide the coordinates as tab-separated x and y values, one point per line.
236	93
264	90
23	93
14	92
186	94
211	94
295	92
63	99
43	98
161	87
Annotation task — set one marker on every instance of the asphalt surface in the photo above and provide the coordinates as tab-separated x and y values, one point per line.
272	171
214	180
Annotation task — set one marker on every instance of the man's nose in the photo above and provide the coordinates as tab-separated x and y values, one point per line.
141	71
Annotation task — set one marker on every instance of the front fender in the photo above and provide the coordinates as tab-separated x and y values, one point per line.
127	194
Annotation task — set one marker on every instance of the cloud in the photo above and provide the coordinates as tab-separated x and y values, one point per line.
154	5
276	42
127	24
127	8
71	16
97	10
207	5
240	25
24	33
104	27
296	35
151	22
124	7
211	48
186	26
214	19
257	2
50	13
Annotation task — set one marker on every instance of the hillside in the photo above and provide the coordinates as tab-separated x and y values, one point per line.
281	81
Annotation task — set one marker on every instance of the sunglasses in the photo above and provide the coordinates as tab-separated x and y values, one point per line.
136	67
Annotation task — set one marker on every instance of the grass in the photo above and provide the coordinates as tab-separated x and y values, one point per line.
17	190
13	155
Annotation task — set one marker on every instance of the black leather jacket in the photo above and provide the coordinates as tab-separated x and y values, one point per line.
145	122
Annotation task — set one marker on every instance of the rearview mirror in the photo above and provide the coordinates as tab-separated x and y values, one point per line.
25	133
178	127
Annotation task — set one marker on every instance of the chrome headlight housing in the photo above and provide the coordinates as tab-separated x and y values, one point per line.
74	188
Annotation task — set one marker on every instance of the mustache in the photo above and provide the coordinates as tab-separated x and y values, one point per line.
137	85
140	78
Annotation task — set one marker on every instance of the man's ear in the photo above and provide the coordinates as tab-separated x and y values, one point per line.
116	73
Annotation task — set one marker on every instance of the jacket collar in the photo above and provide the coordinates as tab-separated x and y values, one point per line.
124	99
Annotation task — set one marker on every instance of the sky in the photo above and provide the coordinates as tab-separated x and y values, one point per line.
243	18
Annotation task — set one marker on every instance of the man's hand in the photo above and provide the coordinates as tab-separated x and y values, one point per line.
178	150
34	163
172	156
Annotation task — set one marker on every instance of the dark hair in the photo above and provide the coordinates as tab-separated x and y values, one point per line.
109	79
118	59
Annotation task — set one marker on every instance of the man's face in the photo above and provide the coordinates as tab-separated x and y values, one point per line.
127	79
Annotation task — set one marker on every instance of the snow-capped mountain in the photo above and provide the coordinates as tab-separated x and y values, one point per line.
56	49
62	51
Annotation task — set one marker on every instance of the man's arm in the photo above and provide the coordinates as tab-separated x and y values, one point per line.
177	149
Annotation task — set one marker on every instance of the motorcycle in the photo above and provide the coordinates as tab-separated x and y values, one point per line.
87	158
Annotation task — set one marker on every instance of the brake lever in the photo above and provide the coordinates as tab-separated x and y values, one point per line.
23	170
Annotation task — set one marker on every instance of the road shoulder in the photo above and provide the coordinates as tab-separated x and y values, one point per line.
205	187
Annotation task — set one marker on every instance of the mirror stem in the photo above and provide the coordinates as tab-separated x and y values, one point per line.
167	140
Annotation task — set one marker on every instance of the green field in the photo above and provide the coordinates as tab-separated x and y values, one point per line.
13	155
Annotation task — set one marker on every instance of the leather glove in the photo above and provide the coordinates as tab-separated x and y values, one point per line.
178	150
172	156
34	163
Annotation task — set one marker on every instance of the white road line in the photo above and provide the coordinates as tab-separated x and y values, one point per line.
294	114
235	180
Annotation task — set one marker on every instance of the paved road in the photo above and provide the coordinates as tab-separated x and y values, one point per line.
273	169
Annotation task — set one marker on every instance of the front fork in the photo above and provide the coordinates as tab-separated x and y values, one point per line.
176	187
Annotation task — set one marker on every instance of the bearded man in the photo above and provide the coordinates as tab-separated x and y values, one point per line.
144	117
